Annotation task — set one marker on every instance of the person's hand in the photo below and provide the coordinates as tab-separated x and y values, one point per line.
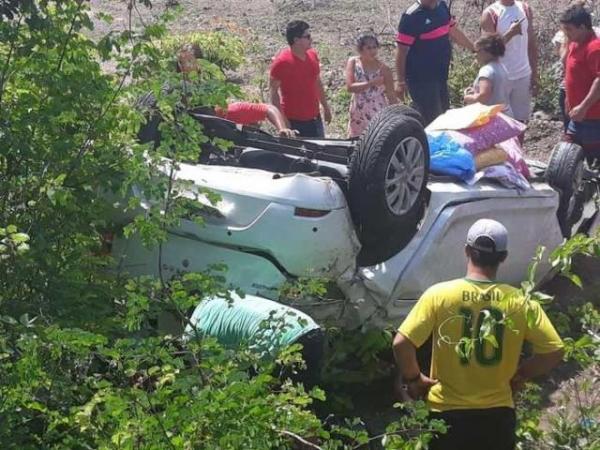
515	29
288	133
420	388
468	96
400	89
327	114
400	393
577	114
377	81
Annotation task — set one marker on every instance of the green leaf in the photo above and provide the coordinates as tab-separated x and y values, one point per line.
492	340
18	238
576	280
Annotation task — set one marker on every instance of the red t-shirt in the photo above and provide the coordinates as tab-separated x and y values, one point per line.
244	113
299	91
582	68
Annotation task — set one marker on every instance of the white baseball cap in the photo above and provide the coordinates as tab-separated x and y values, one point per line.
488	235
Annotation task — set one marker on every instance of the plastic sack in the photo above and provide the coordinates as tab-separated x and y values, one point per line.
499	129
512	147
474	115
449	158
506	175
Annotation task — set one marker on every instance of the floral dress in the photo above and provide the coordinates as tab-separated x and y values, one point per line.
365	105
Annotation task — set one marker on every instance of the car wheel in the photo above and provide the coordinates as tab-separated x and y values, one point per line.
565	174
404	110
387	185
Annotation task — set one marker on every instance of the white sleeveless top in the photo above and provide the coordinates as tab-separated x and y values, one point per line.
516	58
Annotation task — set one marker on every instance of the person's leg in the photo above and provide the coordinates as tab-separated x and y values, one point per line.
459	434
520	98
309	128
444	96
426	99
319	128
476	429
301	126
498	426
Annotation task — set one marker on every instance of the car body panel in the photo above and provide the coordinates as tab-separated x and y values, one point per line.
264	243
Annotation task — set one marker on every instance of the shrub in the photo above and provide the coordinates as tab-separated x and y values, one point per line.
218	47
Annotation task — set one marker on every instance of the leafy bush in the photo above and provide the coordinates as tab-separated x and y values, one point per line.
81	363
463	72
218	47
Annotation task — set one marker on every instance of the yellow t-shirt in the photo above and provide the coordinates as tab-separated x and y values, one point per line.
459	308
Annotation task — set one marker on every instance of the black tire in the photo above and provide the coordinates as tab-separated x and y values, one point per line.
564	173
385	226
404	110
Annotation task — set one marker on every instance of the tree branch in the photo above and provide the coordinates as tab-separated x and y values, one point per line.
299	439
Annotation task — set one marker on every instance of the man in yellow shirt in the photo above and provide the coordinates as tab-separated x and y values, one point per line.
478	327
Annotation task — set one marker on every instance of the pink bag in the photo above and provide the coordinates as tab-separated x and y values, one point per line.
499	129
512	147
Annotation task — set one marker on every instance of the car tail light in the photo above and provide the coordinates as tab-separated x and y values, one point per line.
314	213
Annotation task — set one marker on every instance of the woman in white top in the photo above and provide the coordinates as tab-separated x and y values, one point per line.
492	85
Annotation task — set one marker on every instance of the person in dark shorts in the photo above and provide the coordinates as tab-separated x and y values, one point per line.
472	389
582	80
295	83
263	326
423	55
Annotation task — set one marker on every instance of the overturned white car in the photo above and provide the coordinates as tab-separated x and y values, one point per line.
364	214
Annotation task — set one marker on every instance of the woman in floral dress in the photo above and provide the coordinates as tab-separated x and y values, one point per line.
370	82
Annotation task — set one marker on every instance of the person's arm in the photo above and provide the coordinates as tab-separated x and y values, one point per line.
405	354
414	332
401	54
408	32
532	50
579	112
546	343
279	121
485	88
534	367
323	100
459	37
354	86
274	85
488	26
486	23
388	82
564	52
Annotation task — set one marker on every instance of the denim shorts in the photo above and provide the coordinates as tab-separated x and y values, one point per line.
586	134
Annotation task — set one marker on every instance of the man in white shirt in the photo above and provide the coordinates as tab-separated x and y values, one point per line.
514	21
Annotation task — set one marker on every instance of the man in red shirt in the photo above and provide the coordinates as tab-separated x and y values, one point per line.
295	83
243	113
582	78
247	113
